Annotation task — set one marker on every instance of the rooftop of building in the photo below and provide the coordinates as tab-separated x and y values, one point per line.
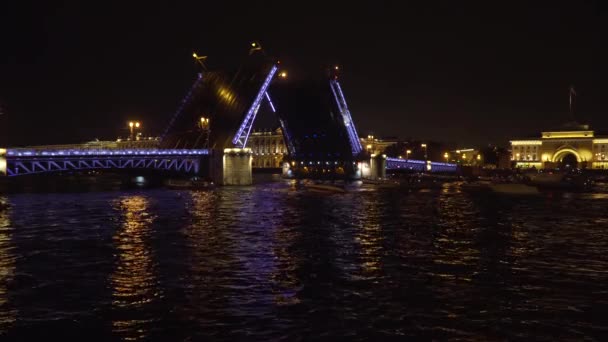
570	130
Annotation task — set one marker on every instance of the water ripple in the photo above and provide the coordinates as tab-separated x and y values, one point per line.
271	262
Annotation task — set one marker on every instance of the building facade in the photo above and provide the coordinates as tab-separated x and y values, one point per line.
268	148
376	146
576	146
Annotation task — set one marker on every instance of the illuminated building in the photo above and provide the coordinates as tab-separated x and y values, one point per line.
376	146
268	148
464	156
574	145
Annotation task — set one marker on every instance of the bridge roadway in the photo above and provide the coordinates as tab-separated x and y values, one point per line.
101	155
27	161
419	165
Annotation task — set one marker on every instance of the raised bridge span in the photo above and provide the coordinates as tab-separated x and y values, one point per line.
208	134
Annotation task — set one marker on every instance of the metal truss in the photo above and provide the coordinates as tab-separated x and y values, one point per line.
419	165
288	139
353	137
183	104
33	162
241	136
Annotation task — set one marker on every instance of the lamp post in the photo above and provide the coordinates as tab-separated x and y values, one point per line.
204	123
425	154
446	156
407	154
132	126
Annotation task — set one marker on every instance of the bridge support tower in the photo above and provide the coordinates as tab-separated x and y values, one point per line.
377	166
232	166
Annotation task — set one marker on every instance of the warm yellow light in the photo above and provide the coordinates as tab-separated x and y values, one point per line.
479	157
369	146
336	67
253	44
408	151
422	145
131	124
2	151
194	55
283	74
568	134
464	156
137	125
400	157
526	142
446	155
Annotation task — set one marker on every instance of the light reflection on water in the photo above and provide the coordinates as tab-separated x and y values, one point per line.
270	262
134	283
7	266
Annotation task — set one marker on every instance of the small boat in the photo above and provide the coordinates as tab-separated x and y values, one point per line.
562	181
512	189
186	184
517	189
325	188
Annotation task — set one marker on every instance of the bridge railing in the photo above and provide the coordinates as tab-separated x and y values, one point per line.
25	152
419	165
19	162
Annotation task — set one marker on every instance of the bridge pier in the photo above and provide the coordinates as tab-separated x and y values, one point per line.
2	162
232	166
374	169
2	166
377	166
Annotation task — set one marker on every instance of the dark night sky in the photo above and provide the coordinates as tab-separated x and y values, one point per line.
474	74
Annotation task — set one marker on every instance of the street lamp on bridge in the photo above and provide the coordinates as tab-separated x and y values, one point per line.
425	154
204	123
132	126
446	156
407	154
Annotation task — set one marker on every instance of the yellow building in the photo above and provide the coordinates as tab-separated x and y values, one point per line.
464	156
376	146
574	145
268	148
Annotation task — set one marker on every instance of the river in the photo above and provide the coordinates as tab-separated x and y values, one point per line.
271	262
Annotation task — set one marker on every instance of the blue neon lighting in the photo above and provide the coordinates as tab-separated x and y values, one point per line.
270	102
353	138
182	105
103	152
240	139
286	134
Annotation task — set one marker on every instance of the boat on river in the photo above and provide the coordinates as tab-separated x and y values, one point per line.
571	181
509	189
188	184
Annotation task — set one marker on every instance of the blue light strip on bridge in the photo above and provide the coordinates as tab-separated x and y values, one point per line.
353	138
286	135
270	102
104	152
182	105
405	161
240	139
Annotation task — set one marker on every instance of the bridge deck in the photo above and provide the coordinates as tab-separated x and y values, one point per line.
24	161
